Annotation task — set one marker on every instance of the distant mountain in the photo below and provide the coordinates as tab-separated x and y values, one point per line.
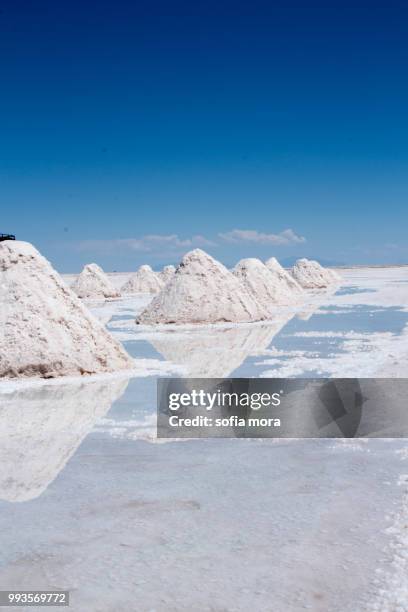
288	262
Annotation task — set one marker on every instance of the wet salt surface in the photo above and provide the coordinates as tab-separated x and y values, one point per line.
359	319
301	524
353	289
91	502
142	348
329	337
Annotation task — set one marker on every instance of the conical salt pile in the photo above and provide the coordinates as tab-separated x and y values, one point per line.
202	290
93	283
167	273
262	283
284	277
45	330
311	275
145	280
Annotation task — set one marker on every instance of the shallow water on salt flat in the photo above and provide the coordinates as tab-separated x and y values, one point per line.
359	318
88	504
323	335
301	524
352	289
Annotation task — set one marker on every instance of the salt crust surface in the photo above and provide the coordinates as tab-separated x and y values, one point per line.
392	592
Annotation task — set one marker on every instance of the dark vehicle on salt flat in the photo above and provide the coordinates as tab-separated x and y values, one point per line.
7	237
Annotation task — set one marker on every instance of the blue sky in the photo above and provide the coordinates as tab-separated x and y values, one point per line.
131	132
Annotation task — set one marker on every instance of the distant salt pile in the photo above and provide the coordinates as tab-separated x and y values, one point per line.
93	283
285	279
45	330
145	280
167	273
202	290
263	284
311	275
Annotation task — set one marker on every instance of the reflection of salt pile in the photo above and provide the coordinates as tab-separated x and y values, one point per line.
215	353
202	290
167	273
40	429
265	285
93	283
284	277
145	280
337	278
311	275
45	330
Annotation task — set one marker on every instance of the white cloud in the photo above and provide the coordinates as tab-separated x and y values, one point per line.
146	244
173	240
286	237
173	244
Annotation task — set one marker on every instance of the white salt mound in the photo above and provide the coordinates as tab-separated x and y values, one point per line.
145	280
202	290
93	283
45	330
284	277
311	275
262	283
167	273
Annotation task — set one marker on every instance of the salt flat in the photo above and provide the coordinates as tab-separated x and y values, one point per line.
98	506
359	329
